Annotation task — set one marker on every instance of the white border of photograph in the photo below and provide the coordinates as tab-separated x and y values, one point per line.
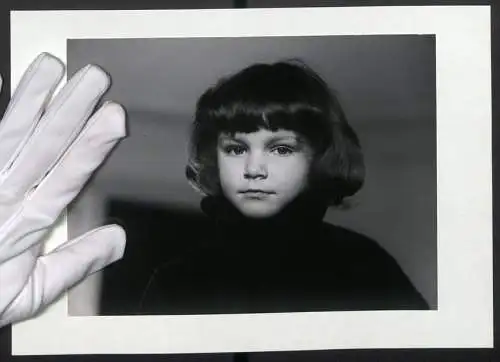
464	317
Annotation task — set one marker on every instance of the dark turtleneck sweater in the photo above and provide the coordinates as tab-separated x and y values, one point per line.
293	262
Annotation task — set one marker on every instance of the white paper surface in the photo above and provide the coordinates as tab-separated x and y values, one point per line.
465	288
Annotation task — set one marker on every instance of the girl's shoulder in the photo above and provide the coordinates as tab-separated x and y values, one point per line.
349	240
360	252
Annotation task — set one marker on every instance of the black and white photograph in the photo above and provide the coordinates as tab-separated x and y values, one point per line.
238	183
281	179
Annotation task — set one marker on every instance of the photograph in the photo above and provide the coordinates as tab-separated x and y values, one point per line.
283	174
303	184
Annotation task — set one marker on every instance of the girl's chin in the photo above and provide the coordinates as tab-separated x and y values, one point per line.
258	211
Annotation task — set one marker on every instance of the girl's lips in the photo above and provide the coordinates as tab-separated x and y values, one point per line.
256	192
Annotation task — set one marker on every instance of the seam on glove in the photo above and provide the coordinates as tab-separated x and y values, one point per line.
53	113
16	97
62	157
6	225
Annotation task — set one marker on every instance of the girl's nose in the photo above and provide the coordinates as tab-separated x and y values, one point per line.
255	166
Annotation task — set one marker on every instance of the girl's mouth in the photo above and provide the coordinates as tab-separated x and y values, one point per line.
256	193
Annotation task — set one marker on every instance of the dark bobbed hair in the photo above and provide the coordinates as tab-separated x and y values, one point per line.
284	95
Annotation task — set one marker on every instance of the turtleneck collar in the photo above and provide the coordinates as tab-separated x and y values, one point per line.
298	219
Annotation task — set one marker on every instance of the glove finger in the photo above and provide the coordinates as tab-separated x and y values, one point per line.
61	185
27	105
61	123
65	267
14	274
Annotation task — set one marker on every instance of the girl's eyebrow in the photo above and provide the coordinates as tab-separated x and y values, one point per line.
273	139
295	140
229	138
269	140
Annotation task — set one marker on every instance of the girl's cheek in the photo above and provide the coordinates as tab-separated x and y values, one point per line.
238	164
234	167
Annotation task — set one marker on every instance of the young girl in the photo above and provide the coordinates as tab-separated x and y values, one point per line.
271	151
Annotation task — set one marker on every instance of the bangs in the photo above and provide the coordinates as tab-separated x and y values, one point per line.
241	118
272	97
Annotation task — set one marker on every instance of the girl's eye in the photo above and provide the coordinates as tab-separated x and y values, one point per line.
234	150
283	150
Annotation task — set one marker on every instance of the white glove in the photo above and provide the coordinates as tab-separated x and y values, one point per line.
48	150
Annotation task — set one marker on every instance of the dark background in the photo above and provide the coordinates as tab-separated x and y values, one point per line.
353	355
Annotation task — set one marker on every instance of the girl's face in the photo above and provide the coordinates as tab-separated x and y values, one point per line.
262	172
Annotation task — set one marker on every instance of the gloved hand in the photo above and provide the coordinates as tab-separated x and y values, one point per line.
48	150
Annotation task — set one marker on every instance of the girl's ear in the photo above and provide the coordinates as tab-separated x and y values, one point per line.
192	176
195	186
